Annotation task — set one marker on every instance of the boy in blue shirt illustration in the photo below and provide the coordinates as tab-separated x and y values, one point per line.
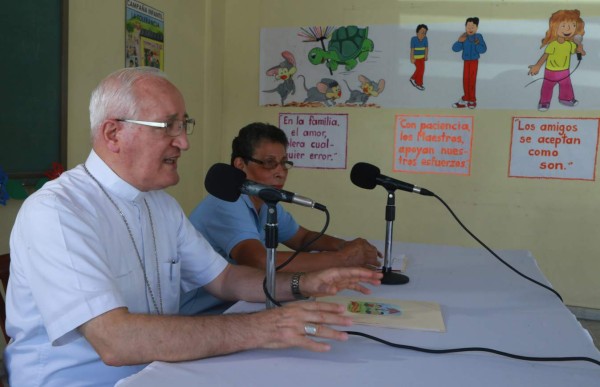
472	46
419	52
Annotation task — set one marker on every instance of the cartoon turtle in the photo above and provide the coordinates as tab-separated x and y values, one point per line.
347	46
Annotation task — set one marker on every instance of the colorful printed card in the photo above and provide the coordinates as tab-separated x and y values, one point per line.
392	313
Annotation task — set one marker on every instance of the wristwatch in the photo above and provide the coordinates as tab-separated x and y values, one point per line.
295	284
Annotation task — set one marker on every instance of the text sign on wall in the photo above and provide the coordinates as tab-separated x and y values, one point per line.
316	140
433	144
554	148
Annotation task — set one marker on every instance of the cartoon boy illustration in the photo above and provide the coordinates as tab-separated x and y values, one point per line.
419	52
563	39
472	46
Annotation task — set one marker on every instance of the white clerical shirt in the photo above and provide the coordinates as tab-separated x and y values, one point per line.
72	259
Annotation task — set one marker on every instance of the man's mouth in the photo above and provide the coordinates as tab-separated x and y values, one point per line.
171	160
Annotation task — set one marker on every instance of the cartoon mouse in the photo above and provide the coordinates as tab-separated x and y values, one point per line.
284	72
326	91
368	88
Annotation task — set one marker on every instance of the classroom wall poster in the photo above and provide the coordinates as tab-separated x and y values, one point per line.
144	35
370	66
433	144
554	148
316	140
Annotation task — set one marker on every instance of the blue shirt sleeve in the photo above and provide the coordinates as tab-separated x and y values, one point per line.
288	227
225	224
457	46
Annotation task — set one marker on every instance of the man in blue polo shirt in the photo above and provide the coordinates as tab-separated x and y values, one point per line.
236	230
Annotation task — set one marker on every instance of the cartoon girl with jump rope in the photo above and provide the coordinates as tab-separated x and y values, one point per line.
563	39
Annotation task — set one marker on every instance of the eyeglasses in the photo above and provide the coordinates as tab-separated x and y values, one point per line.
272	163
173	128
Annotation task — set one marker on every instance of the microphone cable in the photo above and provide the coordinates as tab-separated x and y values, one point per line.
492	252
305	246
481	349
302	248
476	349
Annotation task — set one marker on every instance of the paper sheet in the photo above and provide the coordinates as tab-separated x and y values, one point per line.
392	313
399	263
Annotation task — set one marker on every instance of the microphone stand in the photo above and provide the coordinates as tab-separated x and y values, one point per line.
271	237
390	277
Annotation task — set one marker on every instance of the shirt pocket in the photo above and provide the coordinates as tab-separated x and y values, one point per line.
171	272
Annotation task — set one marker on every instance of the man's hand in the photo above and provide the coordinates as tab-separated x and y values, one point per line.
359	252
330	281
293	325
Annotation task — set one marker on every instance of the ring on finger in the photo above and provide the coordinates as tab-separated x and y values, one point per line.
310	329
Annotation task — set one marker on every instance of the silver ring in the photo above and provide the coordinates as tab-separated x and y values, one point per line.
310	329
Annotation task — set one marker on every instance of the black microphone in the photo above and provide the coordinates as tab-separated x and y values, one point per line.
228	183
578	39
368	176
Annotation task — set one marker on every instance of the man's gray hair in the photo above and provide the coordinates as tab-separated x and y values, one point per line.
114	97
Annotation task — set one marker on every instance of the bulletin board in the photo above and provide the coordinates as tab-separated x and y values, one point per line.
33	88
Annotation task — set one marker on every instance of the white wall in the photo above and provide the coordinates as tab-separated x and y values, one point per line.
556	220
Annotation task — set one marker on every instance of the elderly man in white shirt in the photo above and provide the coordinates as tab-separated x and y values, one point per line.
101	254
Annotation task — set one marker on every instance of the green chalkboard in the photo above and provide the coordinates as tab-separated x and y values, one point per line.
32	86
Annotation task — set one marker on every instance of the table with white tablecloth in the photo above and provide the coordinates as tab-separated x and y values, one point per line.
483	303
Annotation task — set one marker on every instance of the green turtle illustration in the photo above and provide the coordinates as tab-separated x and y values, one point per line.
347	46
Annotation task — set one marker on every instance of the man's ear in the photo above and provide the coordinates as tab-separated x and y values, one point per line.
239	163
109	132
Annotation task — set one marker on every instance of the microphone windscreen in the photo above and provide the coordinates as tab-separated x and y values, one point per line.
224	182
364	175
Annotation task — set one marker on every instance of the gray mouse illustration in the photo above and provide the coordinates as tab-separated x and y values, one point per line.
326	91
368	88
284	72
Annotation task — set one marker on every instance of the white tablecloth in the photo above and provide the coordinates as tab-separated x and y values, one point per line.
484	304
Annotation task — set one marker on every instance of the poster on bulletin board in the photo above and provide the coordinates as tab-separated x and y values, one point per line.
554	148
316	140
422	63
144	36
433	144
